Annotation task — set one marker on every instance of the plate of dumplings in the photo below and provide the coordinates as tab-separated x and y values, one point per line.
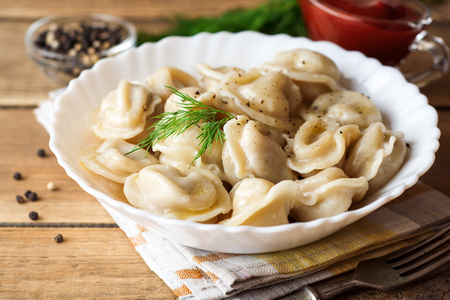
309	138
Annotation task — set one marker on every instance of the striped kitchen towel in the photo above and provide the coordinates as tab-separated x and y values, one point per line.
198	274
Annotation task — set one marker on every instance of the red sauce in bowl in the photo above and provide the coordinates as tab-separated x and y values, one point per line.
378	28
377	9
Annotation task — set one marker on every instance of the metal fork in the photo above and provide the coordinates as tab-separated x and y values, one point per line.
387	272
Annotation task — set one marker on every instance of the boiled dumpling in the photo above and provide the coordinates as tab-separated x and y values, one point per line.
272	98
177	150
258	202
208	98
313	72
109	159
181	149
326	194
319	144
211	77
377	155
172	77
346	107
250	151
184	193
172	102
123	112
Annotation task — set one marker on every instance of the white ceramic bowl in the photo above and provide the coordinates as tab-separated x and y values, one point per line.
402	106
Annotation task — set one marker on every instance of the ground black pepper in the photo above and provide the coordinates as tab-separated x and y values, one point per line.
33	215
20	199
41	153
59	238
17	176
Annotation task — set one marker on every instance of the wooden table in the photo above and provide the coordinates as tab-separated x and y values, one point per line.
96	260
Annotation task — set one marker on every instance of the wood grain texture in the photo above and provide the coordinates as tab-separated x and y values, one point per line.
20	138
96	259
33	266
91	263
130	9
438	175
21	81
23	84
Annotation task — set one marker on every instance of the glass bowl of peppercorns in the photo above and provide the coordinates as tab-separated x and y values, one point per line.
63	46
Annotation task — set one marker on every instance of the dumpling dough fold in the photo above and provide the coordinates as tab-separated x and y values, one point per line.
272	98
326	194
108	159
123	112
250	151
377	155
313	72
319	144
184	193
346	107
170	76
258	202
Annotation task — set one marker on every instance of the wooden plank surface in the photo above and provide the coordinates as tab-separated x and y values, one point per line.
94	263
23	84
101	262
96	259
20	138
130	9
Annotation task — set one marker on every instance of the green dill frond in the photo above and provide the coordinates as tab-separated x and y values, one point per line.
270	17
192	112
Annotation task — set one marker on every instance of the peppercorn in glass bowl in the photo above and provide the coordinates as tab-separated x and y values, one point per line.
65	45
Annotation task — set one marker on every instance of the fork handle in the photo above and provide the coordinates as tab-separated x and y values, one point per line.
322	291
333	289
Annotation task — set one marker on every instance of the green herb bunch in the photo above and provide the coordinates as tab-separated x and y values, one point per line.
271	17
191	113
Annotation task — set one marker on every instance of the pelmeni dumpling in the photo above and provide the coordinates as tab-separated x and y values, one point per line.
258	202
109	159
123	112
170	76
208	98
313	72
249	151
272	98
319	144
184	193
377	155
172	102
177	150
211	77
346	107
326	194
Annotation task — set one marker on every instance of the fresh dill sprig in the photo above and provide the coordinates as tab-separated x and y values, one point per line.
191	113
270	17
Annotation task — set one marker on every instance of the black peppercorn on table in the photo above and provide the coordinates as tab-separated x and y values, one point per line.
70	247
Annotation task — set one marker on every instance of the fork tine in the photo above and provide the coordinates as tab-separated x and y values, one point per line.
423	261
398	255
442	261
420	253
